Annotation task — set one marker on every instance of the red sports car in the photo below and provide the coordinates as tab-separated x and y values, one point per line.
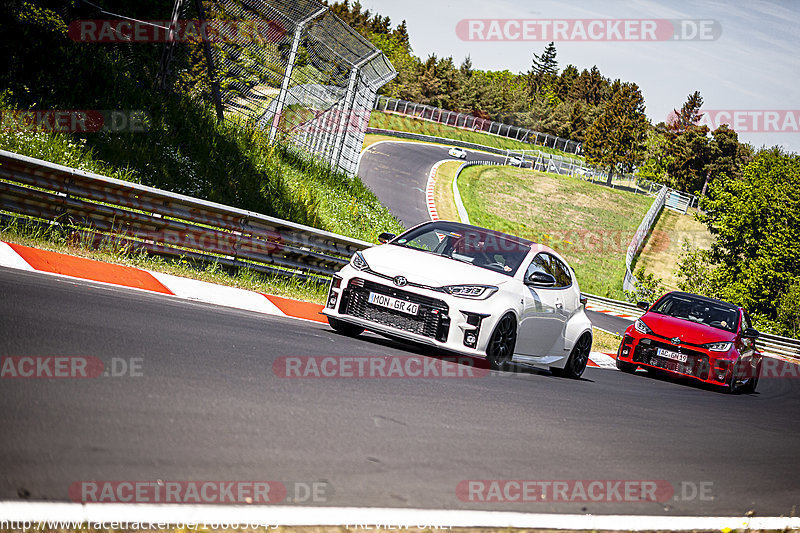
697	337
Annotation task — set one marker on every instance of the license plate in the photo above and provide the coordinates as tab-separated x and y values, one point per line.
388	302
680	357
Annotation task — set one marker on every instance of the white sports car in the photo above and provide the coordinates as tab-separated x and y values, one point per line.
468	290
458	152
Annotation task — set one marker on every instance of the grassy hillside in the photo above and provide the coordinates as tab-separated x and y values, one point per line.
590	225
661	251
185	149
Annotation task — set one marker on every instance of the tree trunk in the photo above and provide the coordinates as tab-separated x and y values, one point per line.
610	176
705	185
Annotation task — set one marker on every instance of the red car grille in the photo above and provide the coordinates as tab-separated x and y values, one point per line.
696	362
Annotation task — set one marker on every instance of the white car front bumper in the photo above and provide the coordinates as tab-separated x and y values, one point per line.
455	324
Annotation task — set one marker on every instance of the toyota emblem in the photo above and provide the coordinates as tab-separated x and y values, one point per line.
676	341
400	281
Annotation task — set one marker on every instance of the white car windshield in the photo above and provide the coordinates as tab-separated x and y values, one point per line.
491	250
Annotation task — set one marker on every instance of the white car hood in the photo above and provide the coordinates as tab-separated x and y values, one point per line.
426	268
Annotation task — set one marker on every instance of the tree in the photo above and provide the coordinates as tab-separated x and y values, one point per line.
727	156
755	221
544	69
616	138
689	116
656	157
688	158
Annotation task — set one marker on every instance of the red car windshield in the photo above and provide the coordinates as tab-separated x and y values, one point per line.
716	315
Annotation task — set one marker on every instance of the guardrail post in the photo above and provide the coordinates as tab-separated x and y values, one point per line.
281	101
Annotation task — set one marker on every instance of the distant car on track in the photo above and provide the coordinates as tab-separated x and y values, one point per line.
515	161
468	290
458	152
697	337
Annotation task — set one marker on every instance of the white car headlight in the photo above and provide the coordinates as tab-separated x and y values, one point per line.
358	262
719	346
641	327
474	292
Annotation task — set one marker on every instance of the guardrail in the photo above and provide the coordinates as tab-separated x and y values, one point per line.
166	223
629	283
170	224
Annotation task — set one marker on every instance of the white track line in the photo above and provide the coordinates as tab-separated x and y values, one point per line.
358	517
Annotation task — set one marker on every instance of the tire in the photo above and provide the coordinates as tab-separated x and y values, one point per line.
500	349
578	358
624	366
743	386
345	328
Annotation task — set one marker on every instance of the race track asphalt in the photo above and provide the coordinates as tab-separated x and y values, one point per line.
206	404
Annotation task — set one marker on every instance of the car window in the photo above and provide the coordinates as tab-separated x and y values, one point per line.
560	271
745	322
550	265
539	264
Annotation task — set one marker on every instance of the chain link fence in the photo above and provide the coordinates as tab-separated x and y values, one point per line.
298	71
471	122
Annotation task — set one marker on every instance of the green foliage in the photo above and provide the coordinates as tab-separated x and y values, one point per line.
694	271
648	287
688	158
788	312
656	158
185	150
692	159
616	139
756	224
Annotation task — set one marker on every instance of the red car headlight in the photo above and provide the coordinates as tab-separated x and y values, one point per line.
718	346
641	327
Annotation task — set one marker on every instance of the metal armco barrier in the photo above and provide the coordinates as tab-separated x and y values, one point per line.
165	223
629	283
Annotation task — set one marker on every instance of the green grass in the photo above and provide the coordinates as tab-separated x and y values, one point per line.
662	249
391	121
605	342
59	239
590	225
